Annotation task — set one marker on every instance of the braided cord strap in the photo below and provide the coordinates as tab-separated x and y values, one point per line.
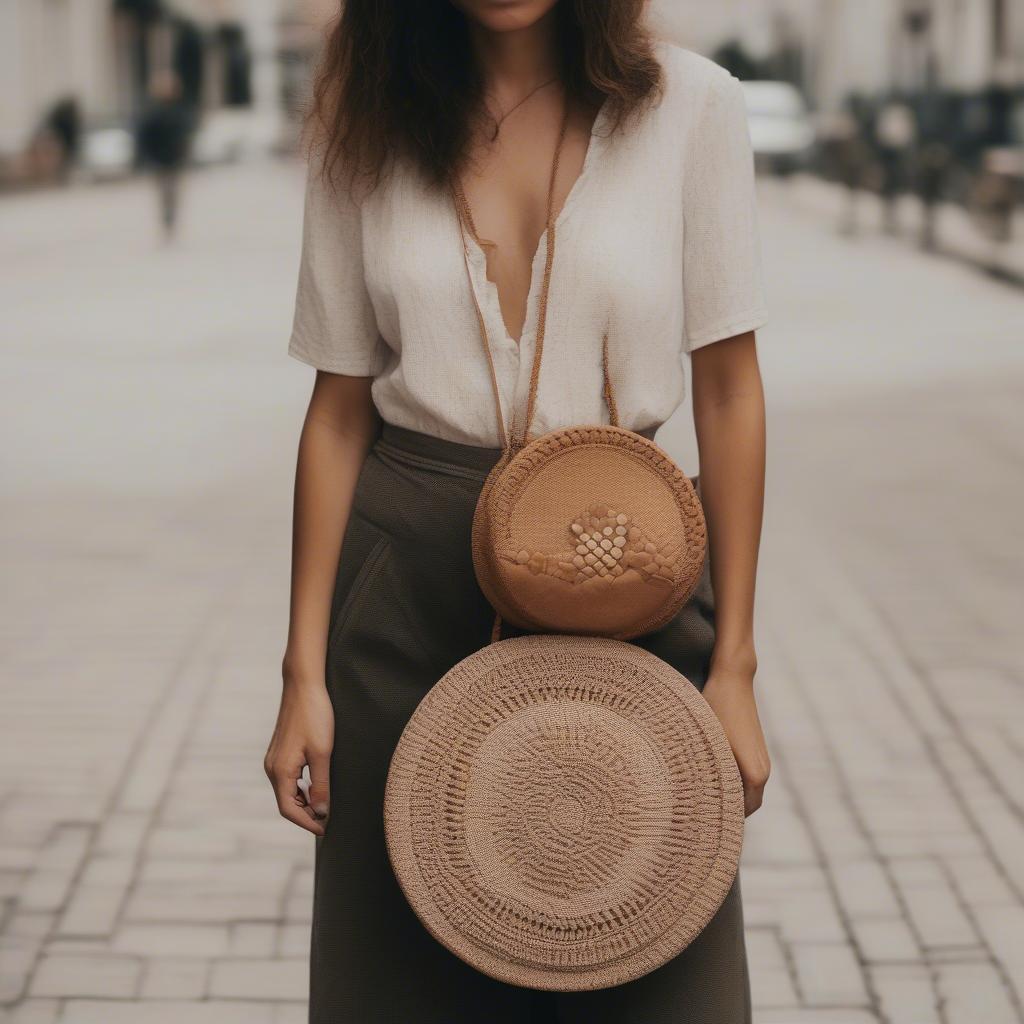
509	439
513	441
549	262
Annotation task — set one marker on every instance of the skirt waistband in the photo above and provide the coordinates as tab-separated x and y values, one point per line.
422	489
416	448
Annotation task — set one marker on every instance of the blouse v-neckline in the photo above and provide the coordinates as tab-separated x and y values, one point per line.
478	257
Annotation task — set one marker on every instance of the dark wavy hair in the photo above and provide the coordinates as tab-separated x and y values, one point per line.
400	77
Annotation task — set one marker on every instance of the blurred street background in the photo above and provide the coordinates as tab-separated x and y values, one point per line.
150	205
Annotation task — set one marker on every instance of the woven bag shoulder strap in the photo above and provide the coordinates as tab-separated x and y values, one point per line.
465	216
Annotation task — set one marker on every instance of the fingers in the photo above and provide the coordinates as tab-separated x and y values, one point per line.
753	797
284	777
754	783
319	797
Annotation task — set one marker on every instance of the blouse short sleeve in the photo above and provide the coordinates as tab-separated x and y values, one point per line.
723	293
334	326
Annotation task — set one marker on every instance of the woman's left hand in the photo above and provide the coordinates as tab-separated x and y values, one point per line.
730	692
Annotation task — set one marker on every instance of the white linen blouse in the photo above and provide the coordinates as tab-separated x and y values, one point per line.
657	242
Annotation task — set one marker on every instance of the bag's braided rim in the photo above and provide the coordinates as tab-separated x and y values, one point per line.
662	859
505	484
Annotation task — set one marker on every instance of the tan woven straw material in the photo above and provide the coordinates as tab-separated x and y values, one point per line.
589	530
564	813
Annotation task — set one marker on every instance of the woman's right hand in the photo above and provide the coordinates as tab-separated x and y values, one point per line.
304	735
340	428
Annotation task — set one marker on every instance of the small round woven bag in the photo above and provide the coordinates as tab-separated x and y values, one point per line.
590	530
564	813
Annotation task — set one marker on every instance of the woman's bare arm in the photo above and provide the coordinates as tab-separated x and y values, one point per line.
728	411
341	424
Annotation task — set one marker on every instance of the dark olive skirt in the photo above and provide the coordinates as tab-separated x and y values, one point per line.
406	608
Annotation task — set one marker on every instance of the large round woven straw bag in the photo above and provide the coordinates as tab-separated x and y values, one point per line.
563	812
587	530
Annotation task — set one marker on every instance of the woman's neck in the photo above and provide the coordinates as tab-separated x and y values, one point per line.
514	62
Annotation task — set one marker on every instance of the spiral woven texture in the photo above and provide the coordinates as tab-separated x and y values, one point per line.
536	504
564	813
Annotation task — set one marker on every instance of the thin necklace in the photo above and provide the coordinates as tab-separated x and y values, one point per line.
499	121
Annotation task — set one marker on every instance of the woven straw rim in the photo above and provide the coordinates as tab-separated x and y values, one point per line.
442	880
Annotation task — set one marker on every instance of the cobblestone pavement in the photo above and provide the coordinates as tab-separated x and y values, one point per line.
150	419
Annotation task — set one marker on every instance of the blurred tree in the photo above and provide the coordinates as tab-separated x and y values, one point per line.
733	56
786	62
143	10
187	60
237	65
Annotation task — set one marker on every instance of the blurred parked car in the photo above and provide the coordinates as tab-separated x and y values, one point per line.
781	129
996	192
107	149
220	138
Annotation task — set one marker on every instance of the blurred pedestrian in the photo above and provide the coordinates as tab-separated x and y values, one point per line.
54	146
850	158
895	134
64	122
933	163
993	199
164	138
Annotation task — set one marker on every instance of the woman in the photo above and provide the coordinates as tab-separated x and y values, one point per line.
656	229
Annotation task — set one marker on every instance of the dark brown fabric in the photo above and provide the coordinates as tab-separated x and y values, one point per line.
407	608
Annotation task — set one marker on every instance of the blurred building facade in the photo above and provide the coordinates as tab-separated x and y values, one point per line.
907	97
863	46
50	49
91	59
